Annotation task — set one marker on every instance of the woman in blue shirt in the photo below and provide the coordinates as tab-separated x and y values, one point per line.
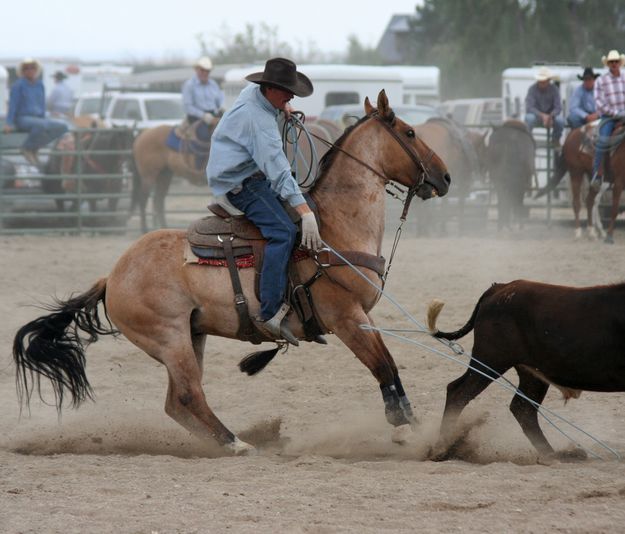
247	167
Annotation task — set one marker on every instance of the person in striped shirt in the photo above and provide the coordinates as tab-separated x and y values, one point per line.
610	101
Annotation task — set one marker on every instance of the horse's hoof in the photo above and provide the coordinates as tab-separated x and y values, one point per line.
592	233
578	233
241	448
401	433
609	240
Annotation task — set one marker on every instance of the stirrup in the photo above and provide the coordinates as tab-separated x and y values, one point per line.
276	327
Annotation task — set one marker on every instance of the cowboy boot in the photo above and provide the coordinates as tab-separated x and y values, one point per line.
276	327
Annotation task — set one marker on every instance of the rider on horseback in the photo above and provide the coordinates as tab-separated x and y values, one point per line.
247	167
610	100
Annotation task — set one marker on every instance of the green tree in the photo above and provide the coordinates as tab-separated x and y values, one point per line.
473	41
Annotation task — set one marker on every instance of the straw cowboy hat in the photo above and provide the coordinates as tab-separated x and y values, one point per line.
543	74
588	74
30	61
613	55
282	73
204	63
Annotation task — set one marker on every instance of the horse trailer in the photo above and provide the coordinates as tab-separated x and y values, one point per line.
348	84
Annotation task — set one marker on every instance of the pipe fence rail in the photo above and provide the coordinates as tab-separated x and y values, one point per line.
28	205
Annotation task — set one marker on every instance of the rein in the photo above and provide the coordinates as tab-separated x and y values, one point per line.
419	163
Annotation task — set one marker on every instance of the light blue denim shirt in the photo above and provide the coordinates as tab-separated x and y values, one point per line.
198	97
247	140
582	103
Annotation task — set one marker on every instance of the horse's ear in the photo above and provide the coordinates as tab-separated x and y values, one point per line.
369	109
383	107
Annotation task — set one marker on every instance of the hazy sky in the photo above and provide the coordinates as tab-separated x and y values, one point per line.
156	29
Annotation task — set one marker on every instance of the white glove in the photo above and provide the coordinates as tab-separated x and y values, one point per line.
208	117
620	116
310	232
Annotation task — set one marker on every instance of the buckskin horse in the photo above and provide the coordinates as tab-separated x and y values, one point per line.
167	308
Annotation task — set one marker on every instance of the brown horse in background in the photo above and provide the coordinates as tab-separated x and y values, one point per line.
456	145
168	308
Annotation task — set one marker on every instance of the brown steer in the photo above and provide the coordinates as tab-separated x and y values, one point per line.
572	338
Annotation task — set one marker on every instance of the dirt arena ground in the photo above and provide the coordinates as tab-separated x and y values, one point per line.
325	462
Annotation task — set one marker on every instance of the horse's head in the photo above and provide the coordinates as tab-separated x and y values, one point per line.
408	160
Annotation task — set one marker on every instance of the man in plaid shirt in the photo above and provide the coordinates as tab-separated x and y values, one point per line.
610	101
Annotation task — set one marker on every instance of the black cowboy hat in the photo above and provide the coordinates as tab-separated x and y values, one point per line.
58	75
588	73
282	73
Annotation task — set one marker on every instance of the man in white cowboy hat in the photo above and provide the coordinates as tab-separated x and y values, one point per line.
582	107
61	99
248	168
202	97
543	106
27	111
610	100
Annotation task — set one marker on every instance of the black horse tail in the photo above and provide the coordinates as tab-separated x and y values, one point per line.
434	310
555	178
50	346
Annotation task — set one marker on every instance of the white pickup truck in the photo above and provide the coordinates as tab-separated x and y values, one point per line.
133	109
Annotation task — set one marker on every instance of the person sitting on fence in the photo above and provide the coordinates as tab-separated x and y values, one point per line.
61	99
202	99
543	106
582	107
27	111
610	100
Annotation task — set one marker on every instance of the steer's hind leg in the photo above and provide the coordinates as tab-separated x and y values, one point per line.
526	413
459	393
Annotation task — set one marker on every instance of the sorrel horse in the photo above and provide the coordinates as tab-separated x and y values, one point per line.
167	308
576	158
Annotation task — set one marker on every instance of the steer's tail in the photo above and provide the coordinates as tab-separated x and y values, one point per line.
558	173
50	346
435	308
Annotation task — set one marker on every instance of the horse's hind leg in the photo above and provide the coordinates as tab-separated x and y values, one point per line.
526	413
186	402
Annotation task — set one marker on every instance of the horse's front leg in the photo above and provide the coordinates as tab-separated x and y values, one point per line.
617	189
372	352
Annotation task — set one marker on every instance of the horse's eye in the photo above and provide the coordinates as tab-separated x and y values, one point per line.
410	133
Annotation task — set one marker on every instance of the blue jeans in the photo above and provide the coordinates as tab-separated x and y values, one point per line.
41	131
556	129
261	206
605	131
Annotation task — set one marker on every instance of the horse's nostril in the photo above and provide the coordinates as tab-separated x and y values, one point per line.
447	179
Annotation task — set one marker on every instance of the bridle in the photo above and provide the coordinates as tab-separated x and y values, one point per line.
420	164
